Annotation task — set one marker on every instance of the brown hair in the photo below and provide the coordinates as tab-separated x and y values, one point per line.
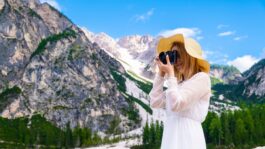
190	64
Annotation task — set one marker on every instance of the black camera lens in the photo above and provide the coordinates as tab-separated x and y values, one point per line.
173	56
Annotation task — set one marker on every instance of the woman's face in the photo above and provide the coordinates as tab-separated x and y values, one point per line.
179	63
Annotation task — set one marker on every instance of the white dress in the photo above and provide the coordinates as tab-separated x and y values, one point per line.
186	106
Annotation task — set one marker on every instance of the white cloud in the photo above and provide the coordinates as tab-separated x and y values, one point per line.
227	33
53	3
199	37
215	57
240	37
220	26
145	16
244	62
187	32
206	54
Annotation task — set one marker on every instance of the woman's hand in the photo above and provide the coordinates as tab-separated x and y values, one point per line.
161	73
165	68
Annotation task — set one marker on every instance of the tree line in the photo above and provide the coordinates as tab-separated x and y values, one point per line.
29	132
243	128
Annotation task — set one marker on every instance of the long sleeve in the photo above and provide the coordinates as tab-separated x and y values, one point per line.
157	95
181	97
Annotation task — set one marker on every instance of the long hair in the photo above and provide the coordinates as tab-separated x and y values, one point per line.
190	64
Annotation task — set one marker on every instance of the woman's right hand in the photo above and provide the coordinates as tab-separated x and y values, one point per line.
161	73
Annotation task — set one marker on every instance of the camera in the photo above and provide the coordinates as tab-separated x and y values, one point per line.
173	56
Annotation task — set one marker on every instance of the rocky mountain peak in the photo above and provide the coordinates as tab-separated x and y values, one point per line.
104	41
250	86
22	3
135	42
228	74
254	81
59	72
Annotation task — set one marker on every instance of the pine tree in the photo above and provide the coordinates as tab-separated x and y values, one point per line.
240	132
227	137
249	125
157	133
152	133
232	123
68	136
259	121
206	126
96	139
215	130
146	134
77	136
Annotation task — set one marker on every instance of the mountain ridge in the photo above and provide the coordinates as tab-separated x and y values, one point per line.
61	74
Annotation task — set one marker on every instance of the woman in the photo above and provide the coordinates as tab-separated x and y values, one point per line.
187	97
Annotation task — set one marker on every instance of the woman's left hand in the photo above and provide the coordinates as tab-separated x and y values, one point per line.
167	68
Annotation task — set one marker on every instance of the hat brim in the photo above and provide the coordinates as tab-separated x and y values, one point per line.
204	65
165	44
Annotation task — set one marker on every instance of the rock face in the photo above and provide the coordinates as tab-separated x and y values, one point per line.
61	74
104	40
137	50
135	43
251	86
228	74
2	4
254	80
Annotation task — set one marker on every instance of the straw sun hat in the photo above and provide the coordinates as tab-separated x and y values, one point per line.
192	47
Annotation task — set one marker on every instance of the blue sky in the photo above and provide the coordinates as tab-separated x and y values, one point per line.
230	32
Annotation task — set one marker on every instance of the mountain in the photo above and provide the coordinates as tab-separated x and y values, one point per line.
226	74
135	52
251	87
127	50
104	40
49	66
72	76
254	81
135	43
138	53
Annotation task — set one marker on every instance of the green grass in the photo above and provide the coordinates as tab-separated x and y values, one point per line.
138	77
7	94
75	52
61	108
138	101
120	79
145	86
215	80
131	112
52	39
8	91
33	14
94	56
114	123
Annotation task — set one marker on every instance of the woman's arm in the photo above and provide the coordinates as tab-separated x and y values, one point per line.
181	97
157	95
